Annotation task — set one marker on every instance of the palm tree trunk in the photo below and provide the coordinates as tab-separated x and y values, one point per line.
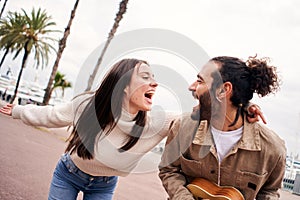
92	76
62	45
24	61
3	58
3	7
119	16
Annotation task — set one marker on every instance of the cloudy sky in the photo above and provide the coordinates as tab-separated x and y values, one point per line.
232	27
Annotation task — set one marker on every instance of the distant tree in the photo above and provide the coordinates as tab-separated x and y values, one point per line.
60	82
33	37
62	45
119	16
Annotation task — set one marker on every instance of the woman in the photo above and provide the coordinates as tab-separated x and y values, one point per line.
112	131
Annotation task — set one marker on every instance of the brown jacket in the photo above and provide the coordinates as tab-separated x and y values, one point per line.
255	166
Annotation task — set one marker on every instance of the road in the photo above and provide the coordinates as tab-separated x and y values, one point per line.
28	157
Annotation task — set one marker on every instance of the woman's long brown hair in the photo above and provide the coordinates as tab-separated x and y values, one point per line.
103	112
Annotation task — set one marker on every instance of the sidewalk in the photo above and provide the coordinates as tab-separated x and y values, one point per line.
29	155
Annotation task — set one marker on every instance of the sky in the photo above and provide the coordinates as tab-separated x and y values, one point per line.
268	28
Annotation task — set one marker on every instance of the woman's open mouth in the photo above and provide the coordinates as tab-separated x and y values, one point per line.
149	96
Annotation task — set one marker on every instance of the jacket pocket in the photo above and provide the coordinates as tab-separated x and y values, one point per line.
250	183
191	167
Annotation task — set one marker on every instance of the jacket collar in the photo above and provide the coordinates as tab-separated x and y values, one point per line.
251	138
249	141
203	135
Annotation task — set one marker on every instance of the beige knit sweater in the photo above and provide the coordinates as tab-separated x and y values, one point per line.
108	161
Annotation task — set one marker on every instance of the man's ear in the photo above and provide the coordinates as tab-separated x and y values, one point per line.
224	90
220	94
227	88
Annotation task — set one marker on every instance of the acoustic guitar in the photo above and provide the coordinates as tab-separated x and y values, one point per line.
204	189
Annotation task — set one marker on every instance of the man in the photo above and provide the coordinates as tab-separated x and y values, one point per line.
217	143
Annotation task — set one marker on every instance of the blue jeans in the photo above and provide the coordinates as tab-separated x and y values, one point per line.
68	180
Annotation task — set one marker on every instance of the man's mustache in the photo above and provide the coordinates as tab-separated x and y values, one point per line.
194	95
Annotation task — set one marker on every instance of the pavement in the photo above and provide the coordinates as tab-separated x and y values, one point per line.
28	156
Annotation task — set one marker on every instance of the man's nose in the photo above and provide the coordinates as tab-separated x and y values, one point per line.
192	87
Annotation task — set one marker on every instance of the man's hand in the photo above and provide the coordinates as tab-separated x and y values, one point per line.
7	109
254	113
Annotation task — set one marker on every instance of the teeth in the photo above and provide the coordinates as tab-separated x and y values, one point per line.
149	93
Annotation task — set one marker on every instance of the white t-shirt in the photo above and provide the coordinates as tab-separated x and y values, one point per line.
225	140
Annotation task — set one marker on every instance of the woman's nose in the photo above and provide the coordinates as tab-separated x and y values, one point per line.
153	83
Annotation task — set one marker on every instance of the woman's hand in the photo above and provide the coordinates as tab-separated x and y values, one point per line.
7	109
254	113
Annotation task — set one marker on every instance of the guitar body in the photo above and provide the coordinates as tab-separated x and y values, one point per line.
204	189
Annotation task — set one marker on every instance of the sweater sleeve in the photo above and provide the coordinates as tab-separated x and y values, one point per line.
46	116
167	122
60	115
170	171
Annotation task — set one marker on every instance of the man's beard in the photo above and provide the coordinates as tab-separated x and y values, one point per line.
204	113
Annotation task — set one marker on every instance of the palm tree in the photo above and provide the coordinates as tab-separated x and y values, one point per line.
3	7
33	37
62	45
119	16
60	82
9	29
